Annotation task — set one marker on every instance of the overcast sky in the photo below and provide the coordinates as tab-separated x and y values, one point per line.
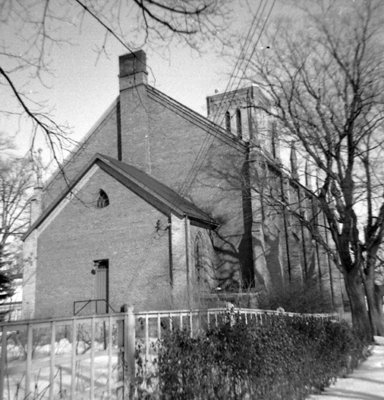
84	85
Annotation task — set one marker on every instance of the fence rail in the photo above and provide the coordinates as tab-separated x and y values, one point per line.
93	356
80	305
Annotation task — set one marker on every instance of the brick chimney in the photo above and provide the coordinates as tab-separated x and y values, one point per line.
133	130
133	69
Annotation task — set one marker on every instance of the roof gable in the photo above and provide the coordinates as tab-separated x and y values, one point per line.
90	134
199	120
148	188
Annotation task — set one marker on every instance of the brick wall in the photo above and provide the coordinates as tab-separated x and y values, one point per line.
124	233
102	139
164	140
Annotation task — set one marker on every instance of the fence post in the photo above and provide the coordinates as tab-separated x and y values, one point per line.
128	357
52	361
28	374
3	359
73	359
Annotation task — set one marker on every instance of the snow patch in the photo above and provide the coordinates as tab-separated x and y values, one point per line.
379	340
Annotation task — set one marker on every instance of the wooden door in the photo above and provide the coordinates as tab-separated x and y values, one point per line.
101	286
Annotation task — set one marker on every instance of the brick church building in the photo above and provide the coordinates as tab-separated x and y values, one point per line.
160	207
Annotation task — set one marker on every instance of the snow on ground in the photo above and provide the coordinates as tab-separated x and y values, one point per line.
365	383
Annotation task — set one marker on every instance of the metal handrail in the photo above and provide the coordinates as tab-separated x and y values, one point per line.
89	301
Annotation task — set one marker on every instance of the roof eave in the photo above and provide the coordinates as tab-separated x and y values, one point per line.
155	200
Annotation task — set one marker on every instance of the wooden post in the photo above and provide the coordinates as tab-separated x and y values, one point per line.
129	350
92	372
110	344
191	323
73	359
52	361
126	340
120	344
158	326
146	339
28	373
3	360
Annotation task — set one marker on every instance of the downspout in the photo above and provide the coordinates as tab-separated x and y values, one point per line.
170	251
286	231
315	218
187	258
329	262
249	116
303	237
118	123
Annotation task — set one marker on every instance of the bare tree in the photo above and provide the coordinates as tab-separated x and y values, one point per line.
16	181
32	31
325	84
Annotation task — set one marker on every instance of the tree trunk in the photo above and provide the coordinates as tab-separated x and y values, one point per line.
375	312
356	296
374	306
377	319
378	309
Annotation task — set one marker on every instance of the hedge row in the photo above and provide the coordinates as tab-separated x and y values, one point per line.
285	358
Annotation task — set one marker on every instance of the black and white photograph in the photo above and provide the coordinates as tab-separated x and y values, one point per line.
192	199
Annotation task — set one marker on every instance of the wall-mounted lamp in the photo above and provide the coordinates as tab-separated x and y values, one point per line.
160	226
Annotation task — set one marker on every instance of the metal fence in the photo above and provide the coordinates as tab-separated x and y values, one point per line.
74	358
92	357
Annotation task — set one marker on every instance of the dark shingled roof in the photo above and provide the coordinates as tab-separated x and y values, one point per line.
151	190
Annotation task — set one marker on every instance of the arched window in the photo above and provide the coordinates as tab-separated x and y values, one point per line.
199	266
228	121
238	123
102	200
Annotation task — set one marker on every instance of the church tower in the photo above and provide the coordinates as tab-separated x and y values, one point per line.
238	113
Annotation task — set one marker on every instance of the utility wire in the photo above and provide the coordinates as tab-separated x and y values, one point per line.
111	32
200	158
207	141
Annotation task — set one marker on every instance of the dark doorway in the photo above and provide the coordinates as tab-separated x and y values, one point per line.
101	286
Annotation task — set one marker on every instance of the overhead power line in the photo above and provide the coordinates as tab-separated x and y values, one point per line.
208	139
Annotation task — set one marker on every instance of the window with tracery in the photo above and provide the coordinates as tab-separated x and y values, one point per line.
228	121
102	200
238	124
199	268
